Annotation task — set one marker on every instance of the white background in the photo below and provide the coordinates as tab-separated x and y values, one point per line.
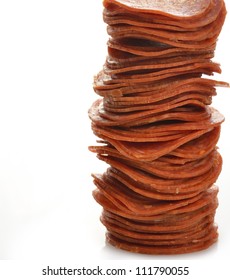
49	53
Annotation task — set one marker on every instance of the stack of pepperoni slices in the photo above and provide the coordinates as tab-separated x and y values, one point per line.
157	131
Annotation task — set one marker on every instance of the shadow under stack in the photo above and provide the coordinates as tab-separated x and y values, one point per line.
157	130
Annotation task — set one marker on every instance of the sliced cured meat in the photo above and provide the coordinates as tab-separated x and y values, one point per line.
154	88
113	67
157	132
166	250
149	48
173	9
166	185
184	15
160	167
137	118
